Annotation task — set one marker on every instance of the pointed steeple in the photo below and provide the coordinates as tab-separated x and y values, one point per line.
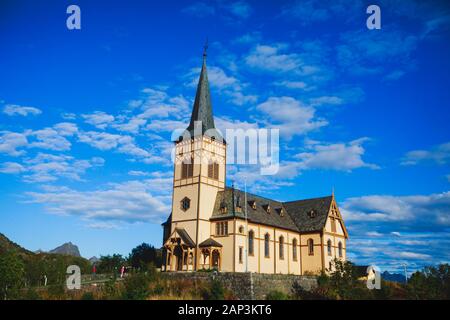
202	110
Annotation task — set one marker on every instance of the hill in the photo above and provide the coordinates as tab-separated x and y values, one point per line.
8	245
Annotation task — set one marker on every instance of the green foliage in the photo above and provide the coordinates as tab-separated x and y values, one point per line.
31	294
214	291
276	295
12	272
110	264
136	287
110	290
56	291
144	256
431	283
87	296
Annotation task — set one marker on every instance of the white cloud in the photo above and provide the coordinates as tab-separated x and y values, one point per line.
138	173
417	211
290	116
103	140
326	100
131	201
66	128
337	156
439	154
374	234
410	255
132	125
98	119
122	144
47	167
11	167
294	85
265	57
101	225
14	110
68	116
11	141
166	125
49	138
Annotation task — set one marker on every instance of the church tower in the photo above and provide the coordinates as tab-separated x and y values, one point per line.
199	173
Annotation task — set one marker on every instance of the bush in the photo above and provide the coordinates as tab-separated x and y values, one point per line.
31	294
56	291
87	296
110	291
277	295
136	287
214	291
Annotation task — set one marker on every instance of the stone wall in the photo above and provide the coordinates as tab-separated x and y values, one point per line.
240	283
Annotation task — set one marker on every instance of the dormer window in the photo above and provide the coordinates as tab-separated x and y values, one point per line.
252	203
267	208
238	206
280	212
223	207
312	213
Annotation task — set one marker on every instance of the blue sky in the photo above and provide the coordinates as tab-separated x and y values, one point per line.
86	116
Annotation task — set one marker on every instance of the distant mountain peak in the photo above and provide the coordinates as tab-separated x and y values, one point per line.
67	248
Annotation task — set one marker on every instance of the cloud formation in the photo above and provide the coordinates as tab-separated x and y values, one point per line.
16	110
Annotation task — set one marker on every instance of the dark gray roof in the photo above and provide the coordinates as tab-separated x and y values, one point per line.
202	110
296	215
185	237
209	243
300	212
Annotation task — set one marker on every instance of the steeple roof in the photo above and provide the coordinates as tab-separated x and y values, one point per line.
202	110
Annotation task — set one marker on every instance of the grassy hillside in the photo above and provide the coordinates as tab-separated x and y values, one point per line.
8	245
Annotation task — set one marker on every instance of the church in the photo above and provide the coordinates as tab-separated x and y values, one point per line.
213	226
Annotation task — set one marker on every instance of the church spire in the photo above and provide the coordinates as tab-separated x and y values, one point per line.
202	110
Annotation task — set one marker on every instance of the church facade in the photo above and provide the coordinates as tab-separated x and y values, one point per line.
213	226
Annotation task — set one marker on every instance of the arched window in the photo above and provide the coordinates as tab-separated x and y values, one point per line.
311	247
294	249
251	236
329	247
281	247
340	249
267	245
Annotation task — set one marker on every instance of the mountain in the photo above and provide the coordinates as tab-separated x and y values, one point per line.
395	277
68	249
94	260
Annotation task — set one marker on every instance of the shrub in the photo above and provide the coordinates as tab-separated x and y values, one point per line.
214	291
87	296
136	287
277	295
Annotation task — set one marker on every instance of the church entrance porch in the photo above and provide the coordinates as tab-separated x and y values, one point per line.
179	250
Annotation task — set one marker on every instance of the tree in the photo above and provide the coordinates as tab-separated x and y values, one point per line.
12	272
144	255
430	283
110	264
